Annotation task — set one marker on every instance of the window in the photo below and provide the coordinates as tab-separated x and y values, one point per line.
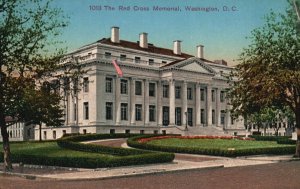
86	110
28	132
222	96
124	107
178	116
151	89
109	110
123	86
190	116
165	91
142	132
86	84
84	131
64	132
213	95
137	59
107	55
151	61
112	131
151	113
122	57
164	62
108	85
232	120
75	111
54	134
45	135
177	92
127	131
202	116
138	88
202	94
222	117
75	86
138	112
189	93
213	116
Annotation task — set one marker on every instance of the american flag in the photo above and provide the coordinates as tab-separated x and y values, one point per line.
117	67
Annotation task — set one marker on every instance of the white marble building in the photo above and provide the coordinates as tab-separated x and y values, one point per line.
162	91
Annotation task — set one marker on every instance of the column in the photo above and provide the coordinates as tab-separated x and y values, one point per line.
129	100
117	101
218	108
172	102
146	102
208	106
159	104
228	117
198	105
132	100
184	103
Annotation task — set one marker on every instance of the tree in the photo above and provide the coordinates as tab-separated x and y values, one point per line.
43	106
269	72
28	29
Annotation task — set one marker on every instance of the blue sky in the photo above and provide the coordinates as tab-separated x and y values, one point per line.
223	33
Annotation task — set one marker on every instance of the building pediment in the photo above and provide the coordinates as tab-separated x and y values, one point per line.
195	65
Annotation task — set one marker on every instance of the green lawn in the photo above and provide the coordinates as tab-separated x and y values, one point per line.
215	143
50	149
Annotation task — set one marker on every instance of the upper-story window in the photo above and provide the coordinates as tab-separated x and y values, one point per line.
86	110
138	88
108	85
151	89
177	92
123	57
222	96
189	93
107	55
165	91
151	61
85	84
123	86
164	62
202	94
137	59
213	96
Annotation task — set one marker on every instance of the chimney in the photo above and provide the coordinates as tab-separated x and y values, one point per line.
115	34
143	40
200	53
177	47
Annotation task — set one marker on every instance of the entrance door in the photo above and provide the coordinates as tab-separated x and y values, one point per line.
190	116
165	115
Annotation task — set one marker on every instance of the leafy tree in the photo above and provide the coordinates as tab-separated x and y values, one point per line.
28	29
43	106
269	72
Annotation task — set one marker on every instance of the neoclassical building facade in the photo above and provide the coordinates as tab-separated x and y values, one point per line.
161	91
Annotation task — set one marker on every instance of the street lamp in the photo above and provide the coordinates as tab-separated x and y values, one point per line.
186	120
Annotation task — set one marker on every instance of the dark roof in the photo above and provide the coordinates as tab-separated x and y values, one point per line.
151	48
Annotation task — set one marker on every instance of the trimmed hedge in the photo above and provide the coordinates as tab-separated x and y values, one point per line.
133	142
278	139
268	138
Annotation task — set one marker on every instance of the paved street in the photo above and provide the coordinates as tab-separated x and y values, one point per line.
283	175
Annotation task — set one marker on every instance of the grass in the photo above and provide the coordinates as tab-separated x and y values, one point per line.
215	143
51	149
